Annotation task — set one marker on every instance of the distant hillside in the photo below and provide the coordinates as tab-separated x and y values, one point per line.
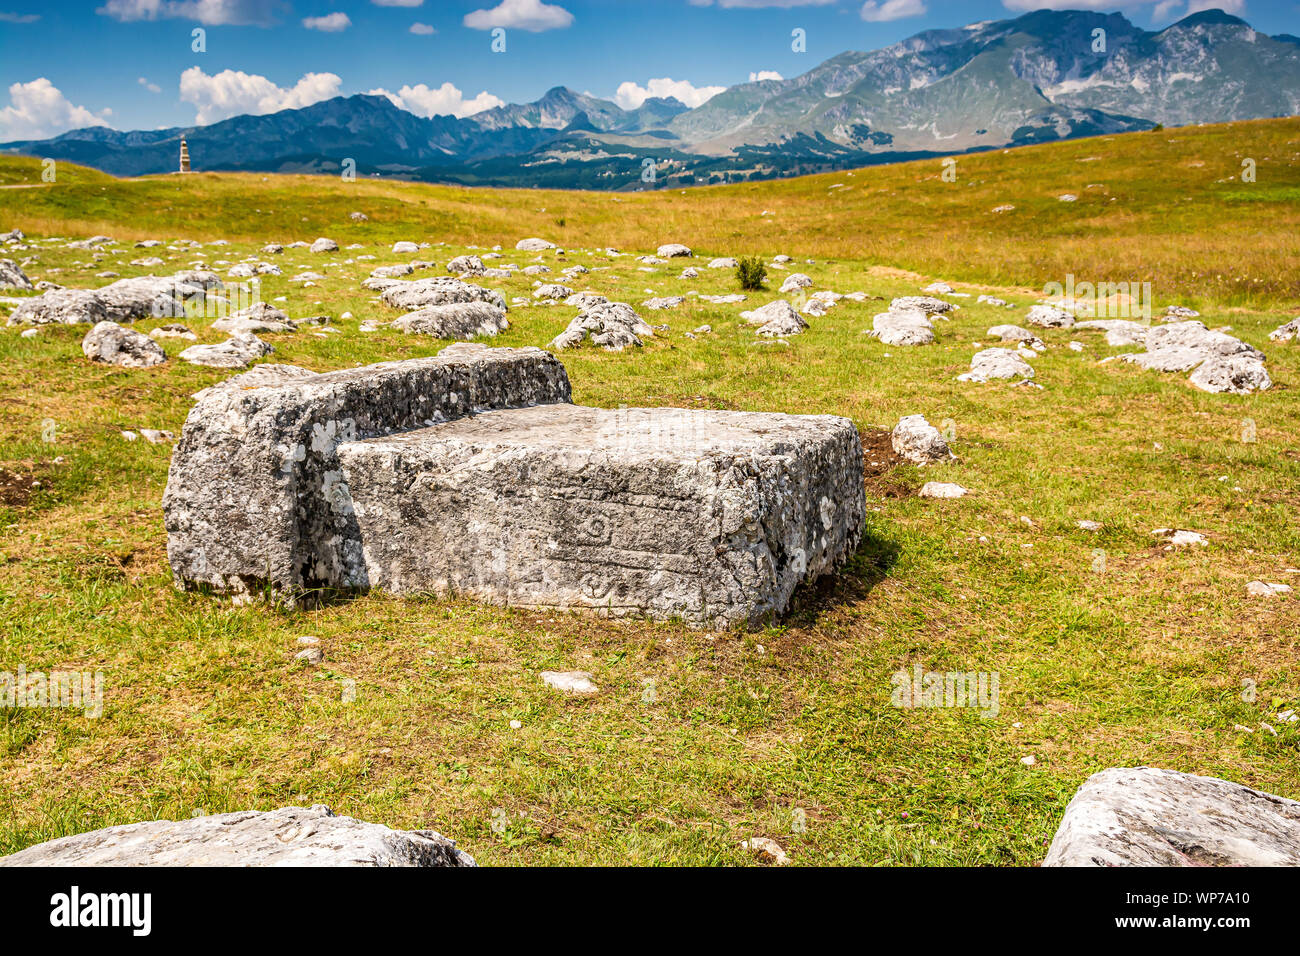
1040	77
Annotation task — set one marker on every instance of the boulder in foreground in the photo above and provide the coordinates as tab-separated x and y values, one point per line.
710	517
1142	816
112	344
291	836
471	473
255	499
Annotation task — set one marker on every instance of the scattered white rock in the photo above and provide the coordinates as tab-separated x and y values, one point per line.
1143	816
572	682
112	344
767	850
1049	317
919	442
1261	589
996	363
941	489
1178	538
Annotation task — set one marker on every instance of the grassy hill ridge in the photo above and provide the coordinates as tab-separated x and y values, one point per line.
1166	207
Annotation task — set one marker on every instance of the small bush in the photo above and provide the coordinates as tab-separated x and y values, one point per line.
751	273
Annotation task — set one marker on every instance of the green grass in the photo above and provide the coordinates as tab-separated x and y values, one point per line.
744	734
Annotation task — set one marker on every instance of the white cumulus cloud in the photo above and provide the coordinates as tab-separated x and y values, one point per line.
630	95
212	13
39	110
765	75
759	4
330	23
233	92
874	12
151	87
1161	8
422	30
445	100
531	15
397	3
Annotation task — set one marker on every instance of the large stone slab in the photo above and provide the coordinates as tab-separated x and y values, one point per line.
1141	816
712	517
255	501
126	300
291	836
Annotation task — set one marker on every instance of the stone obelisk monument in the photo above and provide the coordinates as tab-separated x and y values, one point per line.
185	156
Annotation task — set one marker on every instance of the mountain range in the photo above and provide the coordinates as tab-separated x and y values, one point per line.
1038	77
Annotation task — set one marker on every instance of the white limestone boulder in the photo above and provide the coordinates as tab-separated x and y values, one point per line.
1143	816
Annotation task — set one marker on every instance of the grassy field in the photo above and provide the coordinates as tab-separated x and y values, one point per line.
698	741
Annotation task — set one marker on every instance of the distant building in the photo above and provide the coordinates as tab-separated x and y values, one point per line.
185	156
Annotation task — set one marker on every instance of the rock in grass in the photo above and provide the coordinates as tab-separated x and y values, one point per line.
571	682
392	272
1237	374
534	245
782	325
613	326
919	442
992	364
674	250
767	850
324	245
585	300
258	317
238	351
126	300
1014	333
778	310
664	302
466	265
111	343
941	489
1119	332
906	327
1286	332
173	331
1194	335
1262	589
553	290
455	320
442	290
1179	538
290	836
312	655
794	282
1143	816
1049	317
12	277
1222	363
927	305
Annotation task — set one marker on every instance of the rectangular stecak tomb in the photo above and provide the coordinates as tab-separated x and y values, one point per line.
502	490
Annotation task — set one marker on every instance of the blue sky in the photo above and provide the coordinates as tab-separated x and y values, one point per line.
130	63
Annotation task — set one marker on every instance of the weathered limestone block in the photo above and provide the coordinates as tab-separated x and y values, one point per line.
255	500
1141	816
290	836
712	517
